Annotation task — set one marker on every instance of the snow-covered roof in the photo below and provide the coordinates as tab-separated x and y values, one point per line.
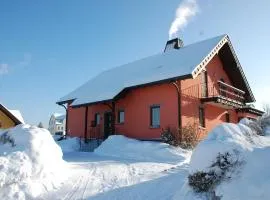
59	117
167	65
15	115
18	115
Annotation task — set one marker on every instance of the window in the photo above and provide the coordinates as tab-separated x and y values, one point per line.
121	116
227	117
201	117
155	116
97	118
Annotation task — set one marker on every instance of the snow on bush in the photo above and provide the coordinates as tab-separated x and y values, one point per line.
123	147
31	164
253	179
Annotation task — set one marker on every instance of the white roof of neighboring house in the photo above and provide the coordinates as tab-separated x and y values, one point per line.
164	66
18	115
59	117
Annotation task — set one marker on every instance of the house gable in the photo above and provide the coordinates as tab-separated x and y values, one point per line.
7	119
231	65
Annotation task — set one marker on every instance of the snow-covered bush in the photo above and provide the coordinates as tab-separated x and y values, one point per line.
32	165
220	170
250	150
5	138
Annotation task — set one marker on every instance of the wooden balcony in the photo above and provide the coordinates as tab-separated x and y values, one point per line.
223	95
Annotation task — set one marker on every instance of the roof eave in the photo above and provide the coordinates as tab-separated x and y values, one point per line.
65	101
183	77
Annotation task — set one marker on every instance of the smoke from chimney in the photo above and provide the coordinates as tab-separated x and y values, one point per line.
185	10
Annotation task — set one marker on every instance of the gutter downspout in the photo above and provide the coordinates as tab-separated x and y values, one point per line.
85	124
65	107
177	85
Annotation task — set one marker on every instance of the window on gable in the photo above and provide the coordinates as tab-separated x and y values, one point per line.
97	118
201	117
155	116
121	116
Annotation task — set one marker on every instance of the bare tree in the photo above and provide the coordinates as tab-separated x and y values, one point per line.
266	109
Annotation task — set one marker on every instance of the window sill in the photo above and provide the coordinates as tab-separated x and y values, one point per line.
154	127
122	123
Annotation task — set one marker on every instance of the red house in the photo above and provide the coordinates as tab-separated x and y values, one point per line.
201	83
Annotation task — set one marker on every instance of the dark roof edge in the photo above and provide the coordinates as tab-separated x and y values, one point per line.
251	110
63	102
10	115
241	69
183	77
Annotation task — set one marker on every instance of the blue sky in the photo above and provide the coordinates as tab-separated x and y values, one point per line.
48	48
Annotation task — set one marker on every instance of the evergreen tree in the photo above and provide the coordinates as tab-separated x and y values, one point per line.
40	125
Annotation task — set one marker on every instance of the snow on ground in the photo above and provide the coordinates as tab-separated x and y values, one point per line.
123	147
252	180
30	163
123	168
118	170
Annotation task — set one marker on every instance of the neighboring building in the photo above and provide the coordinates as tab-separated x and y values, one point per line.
57	124
201	84
9	118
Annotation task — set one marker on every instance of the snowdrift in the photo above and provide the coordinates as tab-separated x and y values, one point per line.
30	162
126	148
252	180
69	144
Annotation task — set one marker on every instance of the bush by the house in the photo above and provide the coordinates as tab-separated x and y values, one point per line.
7	139
221	170
167	136
190	136
188	139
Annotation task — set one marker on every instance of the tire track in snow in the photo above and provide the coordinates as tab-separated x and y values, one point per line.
78	190
75	188
90	176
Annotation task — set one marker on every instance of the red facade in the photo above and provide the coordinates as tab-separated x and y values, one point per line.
211	93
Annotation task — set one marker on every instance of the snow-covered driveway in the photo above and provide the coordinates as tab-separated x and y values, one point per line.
102	177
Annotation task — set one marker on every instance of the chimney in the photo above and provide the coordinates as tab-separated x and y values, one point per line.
175	43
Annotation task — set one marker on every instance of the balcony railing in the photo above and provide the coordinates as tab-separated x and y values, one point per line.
224	91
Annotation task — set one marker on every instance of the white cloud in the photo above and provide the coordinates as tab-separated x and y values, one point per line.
185	10
3	68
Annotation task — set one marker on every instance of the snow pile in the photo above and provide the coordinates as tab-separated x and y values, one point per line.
251	180
69	144
30	163
126	148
